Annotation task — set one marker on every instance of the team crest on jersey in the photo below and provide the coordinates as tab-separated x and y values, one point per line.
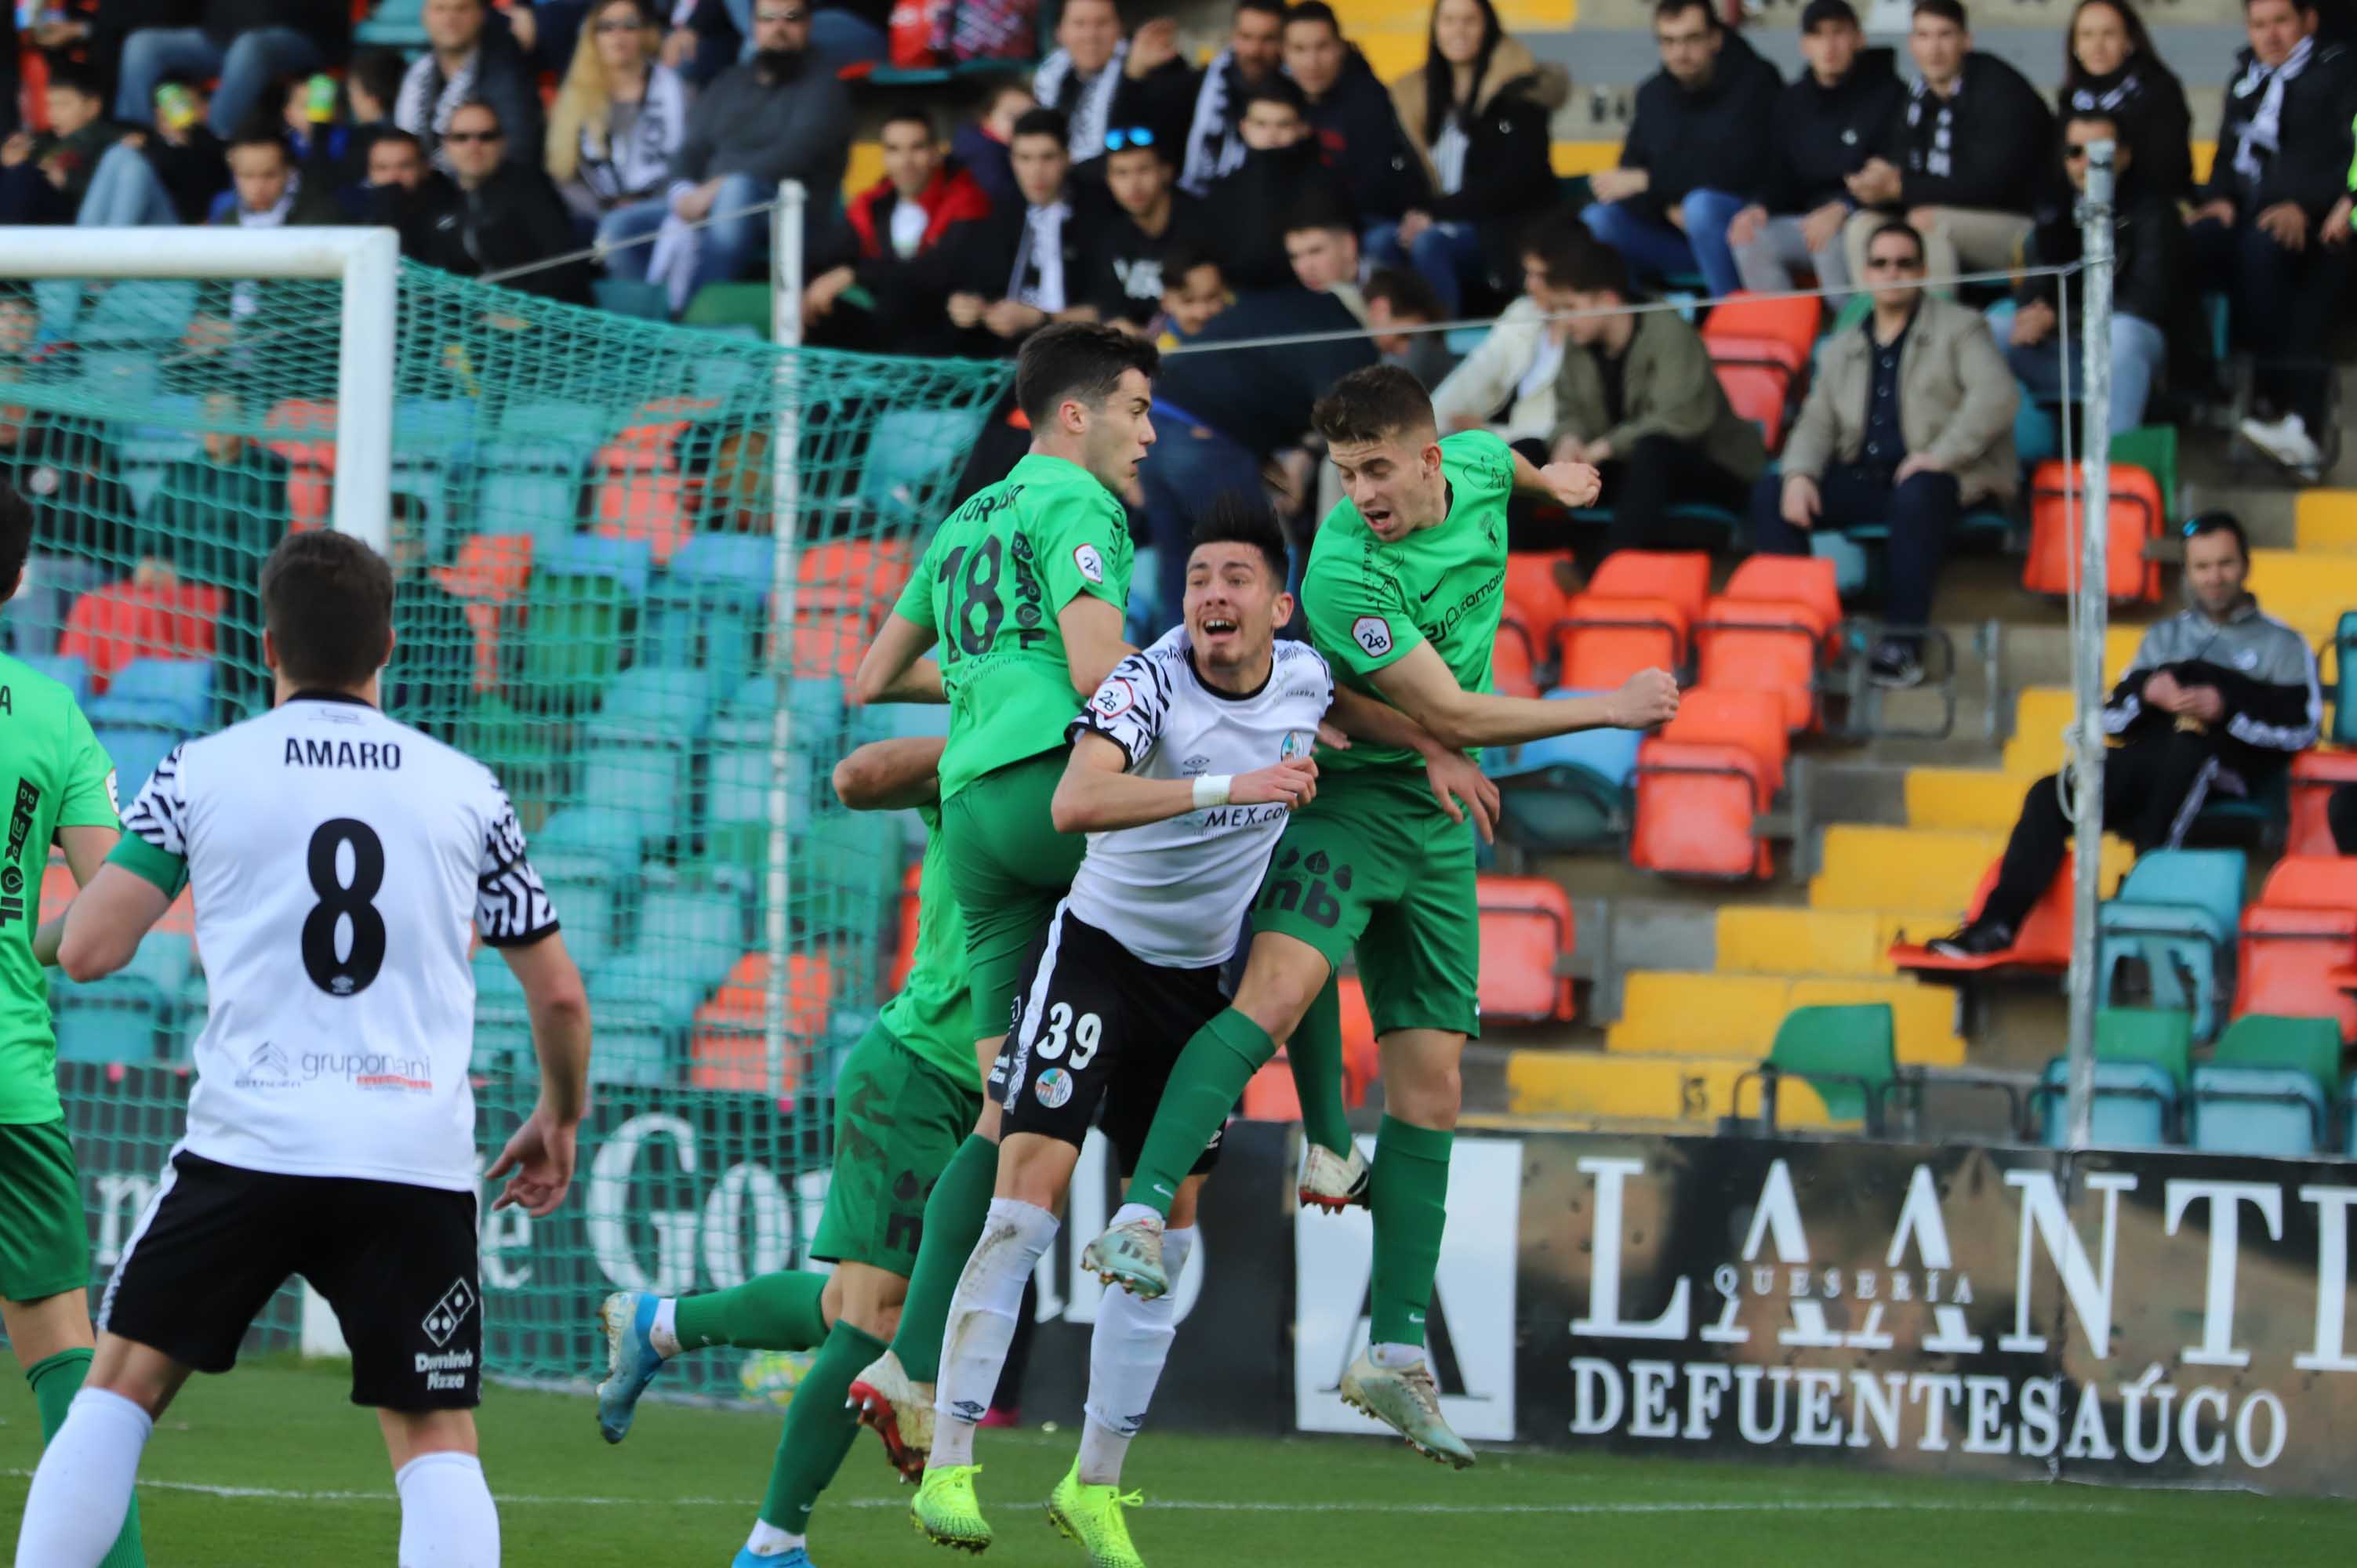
1372	634
1091	563
1054	1087
1295	743
1114	698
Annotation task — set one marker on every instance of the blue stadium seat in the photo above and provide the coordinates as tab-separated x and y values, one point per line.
566	421
641	747
914	454
2257	1111
585	913
502	1047
132	1016
174	695
138	310
697	934
586	840
629	561
634	1045
73	672
545	503
496	986
1609	754
135	753
2135	1104
710	610
653	981
2177	913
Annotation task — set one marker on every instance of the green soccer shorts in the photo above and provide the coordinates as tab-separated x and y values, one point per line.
1372	863
44	1242
1009	868
898	1119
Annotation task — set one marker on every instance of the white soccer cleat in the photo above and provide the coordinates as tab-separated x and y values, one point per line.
1406	1400
1331	1182
901	1412
2285	440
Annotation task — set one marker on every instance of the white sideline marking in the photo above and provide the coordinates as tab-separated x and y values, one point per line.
1176	1505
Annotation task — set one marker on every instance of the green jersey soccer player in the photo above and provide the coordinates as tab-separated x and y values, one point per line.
1403	593
60	789
903	1101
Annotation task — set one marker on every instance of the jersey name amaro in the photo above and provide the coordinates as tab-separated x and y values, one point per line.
340	863
1174	892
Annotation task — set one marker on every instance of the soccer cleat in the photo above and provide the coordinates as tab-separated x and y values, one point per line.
746	1557
1405	1400
1978	938
2285	440
631	1360
1331	1182
946	1509
1092	1516
899	1409
1129	1256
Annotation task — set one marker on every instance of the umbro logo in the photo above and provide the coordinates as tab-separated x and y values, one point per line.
1195	765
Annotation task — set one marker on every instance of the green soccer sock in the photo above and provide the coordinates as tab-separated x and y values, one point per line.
1205	1083
953	1219
820	1425
774	1312
1315	1054
1408	1191
55	1383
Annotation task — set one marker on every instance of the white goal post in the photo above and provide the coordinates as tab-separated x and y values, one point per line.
367	262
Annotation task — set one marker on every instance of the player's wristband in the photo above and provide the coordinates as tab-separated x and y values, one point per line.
1212	790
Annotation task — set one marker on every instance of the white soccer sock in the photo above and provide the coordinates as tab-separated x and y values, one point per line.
768	1541
1135	1213
982	1322
82	1490
1394	1358
447	1518
664	1332
1126	1353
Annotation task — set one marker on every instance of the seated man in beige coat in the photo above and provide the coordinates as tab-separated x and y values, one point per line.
1636	397
1909	420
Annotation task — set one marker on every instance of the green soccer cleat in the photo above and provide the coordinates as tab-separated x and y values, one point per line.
1129	1256
947	1511
1405	1400
1092	1516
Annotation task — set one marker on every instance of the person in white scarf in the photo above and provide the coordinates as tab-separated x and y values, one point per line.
2271	228
1080	77
619	115
1200	113
470	58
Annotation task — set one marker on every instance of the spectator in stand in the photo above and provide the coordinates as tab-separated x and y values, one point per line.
619	117
400	187
982	145
1514	369
263	191
999	278
170	175
2271	229
2148	290
1398	301
248	44
1477	115
2109	66
1125	233
1694	155
1636	398
500	217
1825	123
328	155
2219	697
469	58
1200	113
1256	199
1350	117
212	521
1192	293
1963	161
80	513
1909	420
780	115
886	228
1090	65
372	87
45	174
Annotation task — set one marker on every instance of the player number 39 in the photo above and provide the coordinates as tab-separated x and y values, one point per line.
1082	1034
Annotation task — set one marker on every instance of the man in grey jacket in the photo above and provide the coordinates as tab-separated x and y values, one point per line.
2218	697
1908	421
779	116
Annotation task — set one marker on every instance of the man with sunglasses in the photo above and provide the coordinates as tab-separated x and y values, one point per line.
470	59
494	216
1125	235
1908	421
2219	697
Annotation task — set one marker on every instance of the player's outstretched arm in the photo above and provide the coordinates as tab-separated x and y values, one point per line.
86	848
1420	685
891	774
105	921
894	669
1570	483
1093	642
1097	793
538	1161
1453	776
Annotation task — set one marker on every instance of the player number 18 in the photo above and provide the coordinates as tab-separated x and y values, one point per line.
1082	1034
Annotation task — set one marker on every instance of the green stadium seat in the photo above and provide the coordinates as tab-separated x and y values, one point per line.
2153	448
1848	1055
632	296
730	305
2165	1039
2311	1045
846	872
582	615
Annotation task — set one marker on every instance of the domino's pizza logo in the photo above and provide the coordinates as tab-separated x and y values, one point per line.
1091	563
1114	698
441	1324
1372	634
1054	1088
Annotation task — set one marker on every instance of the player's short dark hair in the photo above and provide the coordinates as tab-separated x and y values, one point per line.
15	538
378	74
1946	10
1406	292
1314	11
1898	226
2203	524
1373	403
1274	89
75	77
328	601
1041	121
1076	358
1231	518
911	115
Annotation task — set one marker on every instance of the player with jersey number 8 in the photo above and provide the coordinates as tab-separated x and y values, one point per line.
1404	594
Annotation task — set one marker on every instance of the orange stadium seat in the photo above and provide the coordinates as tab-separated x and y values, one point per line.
1760	350
1526	925
907	960
2314	776
2043	942
2302	929
1510	664
2137	519
729	1048
1703	782
1679	577
108	627
1536	597
303	431
829	642
1771	631
1606	641
492	571
643	504
853	573
1362	1061
1791	324
1270	1095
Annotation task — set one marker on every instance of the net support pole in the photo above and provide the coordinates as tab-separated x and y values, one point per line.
785	492
2092	613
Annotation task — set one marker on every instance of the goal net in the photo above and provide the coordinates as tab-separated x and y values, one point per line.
580	511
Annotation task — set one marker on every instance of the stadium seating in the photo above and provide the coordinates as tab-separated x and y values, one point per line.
1848	1055
2056	503
131	1015
1635	615
1760	349
1527	927
2159	1037
175	695
1703	782
2344	680
1535	595
1771	631
2302	928
729	1048
2257	1111
2314	776
108	627
2176	914
641	749
2136	1105
69	670
1566	793
583	612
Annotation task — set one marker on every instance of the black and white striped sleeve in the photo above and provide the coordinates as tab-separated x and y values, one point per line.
1129	708
512	909
159	812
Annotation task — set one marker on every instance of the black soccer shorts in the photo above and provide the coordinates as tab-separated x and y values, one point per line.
396	1261
1096	1030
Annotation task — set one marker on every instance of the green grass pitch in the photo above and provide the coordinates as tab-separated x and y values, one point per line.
271	1465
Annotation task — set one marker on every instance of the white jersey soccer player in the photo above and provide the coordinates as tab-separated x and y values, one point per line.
340	863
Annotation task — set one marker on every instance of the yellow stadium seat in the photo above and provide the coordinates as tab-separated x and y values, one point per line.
1923	1017
1971	800
1684	1014
2041	713
1697	1089
1896	869
2120	645
1571	158
866	167
2302	576
1767	940
2204	154
2326	519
